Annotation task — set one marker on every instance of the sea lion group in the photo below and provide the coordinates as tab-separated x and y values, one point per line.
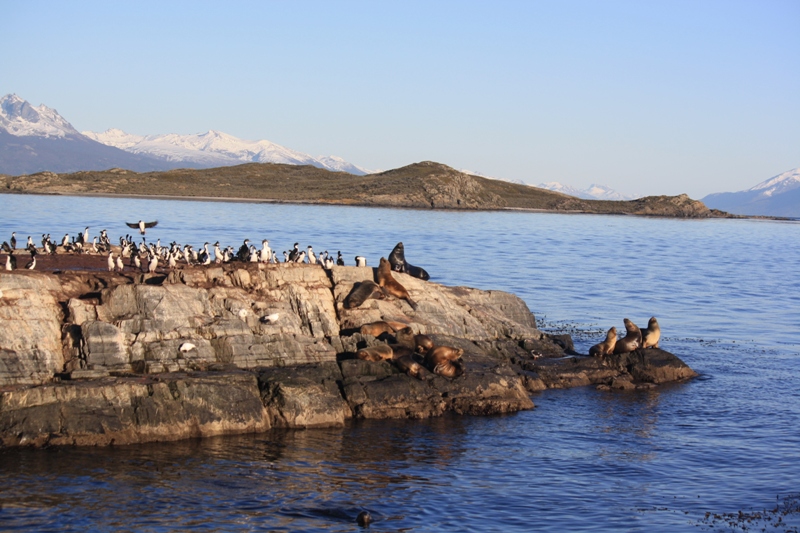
411	353
634	339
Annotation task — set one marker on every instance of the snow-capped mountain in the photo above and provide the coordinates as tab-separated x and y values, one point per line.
777	196
593	192
21	119
215	149
34	139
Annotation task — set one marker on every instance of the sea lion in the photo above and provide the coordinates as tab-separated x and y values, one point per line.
444	361
379	352
422	343
407	364
376	328
651	335
632	339
397	259
405	337
390	285
607	346
362	292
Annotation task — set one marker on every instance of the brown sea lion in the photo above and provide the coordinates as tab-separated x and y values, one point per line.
397	259
379	352
607	346
444	361
651	335
632	339
396	325
390	285
362	292
377	328
422	343
407	364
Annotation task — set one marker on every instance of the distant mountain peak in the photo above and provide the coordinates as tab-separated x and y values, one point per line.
777	196
592	192
20	118
778	184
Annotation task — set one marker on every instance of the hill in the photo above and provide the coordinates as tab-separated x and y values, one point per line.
420	185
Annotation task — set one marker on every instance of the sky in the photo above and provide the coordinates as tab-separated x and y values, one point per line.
647	97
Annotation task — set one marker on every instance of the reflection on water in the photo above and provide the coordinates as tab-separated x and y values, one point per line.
726	293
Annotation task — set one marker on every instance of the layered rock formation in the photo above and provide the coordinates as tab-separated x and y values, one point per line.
101	358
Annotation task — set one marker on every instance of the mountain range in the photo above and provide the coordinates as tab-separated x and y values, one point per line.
37	138
778	196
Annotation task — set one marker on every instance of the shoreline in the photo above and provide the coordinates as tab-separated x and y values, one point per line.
235	199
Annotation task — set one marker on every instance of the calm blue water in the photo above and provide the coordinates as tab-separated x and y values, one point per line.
727	296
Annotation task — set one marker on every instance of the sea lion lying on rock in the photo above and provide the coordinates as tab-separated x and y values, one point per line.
397	259
607	346
362	292
651	335
422	343
376	328
390	285
379	352
407	364
631	341
445	361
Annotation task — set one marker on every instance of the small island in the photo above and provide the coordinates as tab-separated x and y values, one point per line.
93	357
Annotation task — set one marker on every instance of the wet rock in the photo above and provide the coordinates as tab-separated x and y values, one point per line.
129	410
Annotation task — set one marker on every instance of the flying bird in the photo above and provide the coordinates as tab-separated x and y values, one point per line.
142	225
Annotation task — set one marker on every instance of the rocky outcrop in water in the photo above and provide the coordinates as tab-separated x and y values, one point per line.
102	358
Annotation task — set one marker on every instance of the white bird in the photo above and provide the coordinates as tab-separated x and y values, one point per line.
270	319
266	251
187	347
361	261
312	258
120	265
151	267
111	261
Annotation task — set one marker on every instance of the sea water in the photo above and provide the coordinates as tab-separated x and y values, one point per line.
727	297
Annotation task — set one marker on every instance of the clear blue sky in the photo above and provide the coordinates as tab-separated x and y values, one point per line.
649	97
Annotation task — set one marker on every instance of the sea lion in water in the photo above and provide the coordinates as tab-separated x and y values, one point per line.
652	334
607	346
631	341
390	285
379	352
397	259
363	292
444	361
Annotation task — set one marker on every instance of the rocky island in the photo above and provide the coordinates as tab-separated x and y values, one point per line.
90	357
